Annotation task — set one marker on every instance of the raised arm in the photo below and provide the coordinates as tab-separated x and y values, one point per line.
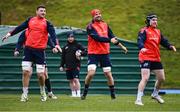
93	33
18	29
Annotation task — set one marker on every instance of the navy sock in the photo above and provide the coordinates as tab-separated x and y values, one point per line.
86	87
48	85
112	89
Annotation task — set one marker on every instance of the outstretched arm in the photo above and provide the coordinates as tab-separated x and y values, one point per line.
51	31
18	29
120	45
115	40
165	43
53	37
21	41
93	33
19	44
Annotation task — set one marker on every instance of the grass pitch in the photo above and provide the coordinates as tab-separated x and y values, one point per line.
11	102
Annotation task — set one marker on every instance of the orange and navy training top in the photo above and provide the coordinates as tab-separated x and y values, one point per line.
150	38
99	36
22	39
37	32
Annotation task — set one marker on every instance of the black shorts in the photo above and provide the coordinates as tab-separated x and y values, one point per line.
102	59
71	74
34	55
152	65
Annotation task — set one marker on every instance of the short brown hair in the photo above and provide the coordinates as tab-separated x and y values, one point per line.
41	6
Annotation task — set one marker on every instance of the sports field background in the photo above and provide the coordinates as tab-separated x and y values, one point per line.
92	103
125	17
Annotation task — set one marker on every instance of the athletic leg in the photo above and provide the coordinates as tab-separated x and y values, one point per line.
40	73
48	85
72	86
160	76
90	74
145	73
77	87
110	80
27	71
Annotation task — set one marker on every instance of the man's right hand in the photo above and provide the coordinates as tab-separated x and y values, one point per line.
61	69
16	53
6	37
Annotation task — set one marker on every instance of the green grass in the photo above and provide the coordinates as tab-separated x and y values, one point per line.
125	17
92	103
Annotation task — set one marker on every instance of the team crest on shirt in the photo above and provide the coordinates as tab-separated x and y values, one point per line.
154	38
146	64
66	47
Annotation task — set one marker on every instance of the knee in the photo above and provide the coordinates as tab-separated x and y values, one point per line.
145	79
71	81
41	75
108	75
162	79
76	81
27	73
90	75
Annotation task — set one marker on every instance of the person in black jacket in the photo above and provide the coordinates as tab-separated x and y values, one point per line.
71	57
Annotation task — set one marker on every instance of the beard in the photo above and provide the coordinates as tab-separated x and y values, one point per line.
98	18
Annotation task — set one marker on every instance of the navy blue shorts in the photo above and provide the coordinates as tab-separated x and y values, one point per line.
102	59
71	74
151	65
34	55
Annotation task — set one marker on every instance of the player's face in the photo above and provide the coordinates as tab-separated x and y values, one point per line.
71	39
97	16
153	22
41	12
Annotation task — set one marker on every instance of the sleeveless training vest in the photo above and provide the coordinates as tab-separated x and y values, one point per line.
95	47
37	35
153	39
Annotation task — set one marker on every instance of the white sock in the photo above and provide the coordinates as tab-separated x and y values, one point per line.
155	92
73	93
25	90
42	89
139	95
78	92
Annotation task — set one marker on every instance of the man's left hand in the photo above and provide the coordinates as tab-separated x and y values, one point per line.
58	48
173	48
55	50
